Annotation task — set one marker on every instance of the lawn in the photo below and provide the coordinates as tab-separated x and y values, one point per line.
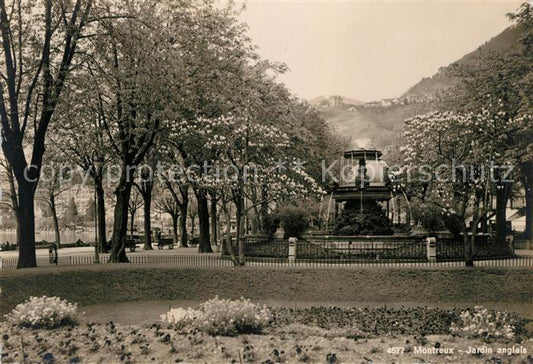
90	285
303	334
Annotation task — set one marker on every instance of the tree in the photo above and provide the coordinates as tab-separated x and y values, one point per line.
12	194
167	204
179	192
192	212
502	84
134	204
81	137
52	184
523	17
456	158
39	44
71	212
145	186
132	63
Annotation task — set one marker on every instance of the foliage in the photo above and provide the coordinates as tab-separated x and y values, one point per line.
477	322
452	160
372	321
488	324
429	216
44	313
372	221
220	317
294	220
271	223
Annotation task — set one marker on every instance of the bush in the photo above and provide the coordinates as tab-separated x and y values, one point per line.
454	225
294	221
220	317
428	216
270	224
372	221
44	313
371	321
482	323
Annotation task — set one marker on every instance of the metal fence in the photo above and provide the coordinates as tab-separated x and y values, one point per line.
390	248
212	260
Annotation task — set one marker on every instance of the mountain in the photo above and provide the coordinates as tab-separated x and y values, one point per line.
502	44
330	101
375	124
378	124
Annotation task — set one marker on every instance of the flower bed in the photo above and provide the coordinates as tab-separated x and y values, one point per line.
43	312
220	317
320	334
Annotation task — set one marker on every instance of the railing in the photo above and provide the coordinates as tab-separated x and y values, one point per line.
363	248
217	261
522	244
261	247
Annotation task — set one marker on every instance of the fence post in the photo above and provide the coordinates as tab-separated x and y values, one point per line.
292	249
431	249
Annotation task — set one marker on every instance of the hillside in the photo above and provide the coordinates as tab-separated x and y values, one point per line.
371	125
378	124
502	44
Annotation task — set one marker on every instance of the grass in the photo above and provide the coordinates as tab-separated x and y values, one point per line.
88	285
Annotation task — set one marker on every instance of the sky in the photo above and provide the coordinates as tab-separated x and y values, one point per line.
369	50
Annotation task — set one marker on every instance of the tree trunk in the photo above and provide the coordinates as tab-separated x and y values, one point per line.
120	223
14	200
204	245
484	219
529	213
240	227
502	195
132	223
528	182
227	240
214	219
100	212
264	208
56	220
26	218
175	237
147	196
468	244
183	224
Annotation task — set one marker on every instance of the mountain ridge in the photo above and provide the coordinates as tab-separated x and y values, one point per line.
379	124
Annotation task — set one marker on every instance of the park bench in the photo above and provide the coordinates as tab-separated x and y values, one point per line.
162	242
131	244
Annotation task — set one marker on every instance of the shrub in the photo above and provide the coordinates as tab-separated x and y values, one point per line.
270	224
428	216
294	221
486	324
372	221
454	224
370	321
44	313
220	317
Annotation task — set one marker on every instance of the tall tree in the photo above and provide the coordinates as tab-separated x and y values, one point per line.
502	84
457	158
167	204
81	137
134	204
53	183
39	44
132	61
145	185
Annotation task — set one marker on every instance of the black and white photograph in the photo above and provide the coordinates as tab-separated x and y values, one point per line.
266	181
